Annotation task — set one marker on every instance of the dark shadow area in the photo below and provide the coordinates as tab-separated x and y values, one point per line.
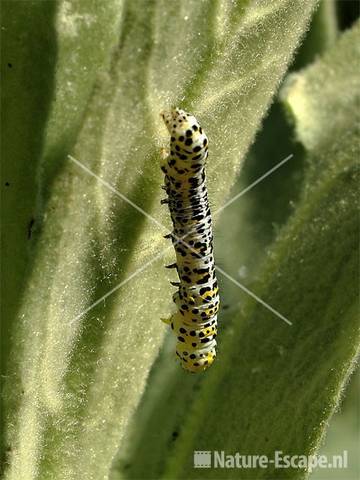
348	12
28	59
321	35
272	202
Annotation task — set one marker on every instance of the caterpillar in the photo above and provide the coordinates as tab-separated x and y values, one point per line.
197	298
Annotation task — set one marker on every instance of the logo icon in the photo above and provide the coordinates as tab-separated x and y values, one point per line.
202	459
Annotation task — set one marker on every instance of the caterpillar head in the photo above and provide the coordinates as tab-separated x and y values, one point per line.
177	120
187	136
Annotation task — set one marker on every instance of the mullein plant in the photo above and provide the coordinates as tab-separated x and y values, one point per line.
91	388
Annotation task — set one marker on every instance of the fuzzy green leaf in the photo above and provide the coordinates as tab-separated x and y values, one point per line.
73	380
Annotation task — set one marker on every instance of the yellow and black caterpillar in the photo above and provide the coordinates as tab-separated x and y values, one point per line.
197	299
